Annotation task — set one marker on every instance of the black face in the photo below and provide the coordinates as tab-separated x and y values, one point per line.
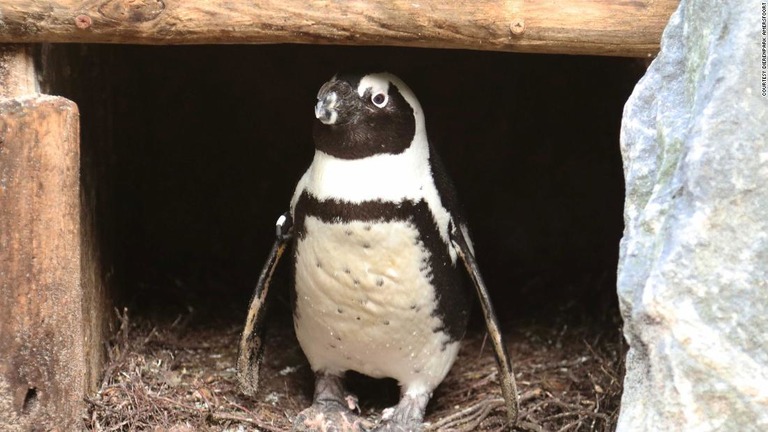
354	127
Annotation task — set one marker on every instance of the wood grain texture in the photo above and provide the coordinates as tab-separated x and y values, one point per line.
17	70
43	366
601	27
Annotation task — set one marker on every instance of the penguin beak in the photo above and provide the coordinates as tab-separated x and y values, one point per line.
325	109
336	102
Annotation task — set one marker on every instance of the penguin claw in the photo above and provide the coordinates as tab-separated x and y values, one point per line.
388	413
352	403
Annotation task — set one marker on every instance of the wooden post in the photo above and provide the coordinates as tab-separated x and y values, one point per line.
44	369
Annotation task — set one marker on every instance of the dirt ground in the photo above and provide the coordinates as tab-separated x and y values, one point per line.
179	376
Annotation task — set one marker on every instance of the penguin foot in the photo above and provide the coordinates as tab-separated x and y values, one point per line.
406	416
329	417
393	426
332	409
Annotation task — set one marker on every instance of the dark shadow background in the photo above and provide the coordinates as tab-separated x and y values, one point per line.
190	154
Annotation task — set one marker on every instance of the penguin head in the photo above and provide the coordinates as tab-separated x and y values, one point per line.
362	115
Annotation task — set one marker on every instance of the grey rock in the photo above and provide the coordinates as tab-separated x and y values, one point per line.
693	271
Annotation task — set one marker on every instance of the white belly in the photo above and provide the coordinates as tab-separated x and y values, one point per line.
364	302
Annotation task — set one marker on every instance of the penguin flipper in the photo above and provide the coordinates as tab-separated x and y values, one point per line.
507	377
252	339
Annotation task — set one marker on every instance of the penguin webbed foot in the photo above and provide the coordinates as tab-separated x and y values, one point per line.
329	417
406	416
332	409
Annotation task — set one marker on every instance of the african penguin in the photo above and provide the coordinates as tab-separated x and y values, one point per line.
377	288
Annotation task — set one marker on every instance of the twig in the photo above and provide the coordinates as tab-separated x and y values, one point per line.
220	417
471	414
482	345
470	417
524	425
149	336
570	425
576	410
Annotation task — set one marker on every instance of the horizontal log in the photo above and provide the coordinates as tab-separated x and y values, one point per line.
601	27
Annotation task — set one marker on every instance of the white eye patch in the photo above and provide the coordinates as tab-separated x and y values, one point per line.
377	83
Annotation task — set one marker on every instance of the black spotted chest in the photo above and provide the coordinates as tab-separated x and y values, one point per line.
365	299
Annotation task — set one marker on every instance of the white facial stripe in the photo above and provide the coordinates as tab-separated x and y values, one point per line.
378	83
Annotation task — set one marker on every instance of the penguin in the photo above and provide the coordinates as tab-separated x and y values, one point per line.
379	244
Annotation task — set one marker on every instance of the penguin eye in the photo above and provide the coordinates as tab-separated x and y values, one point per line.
379	99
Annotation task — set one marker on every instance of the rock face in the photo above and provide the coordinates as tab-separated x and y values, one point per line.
693	273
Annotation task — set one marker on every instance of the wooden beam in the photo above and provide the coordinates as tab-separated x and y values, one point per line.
44	368
601	27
